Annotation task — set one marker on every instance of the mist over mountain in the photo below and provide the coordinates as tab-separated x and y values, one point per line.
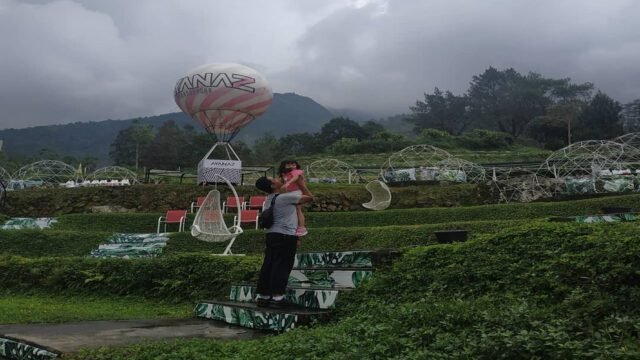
289	114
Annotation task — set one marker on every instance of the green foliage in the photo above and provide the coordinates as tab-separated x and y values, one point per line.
600	119
139	222
38	243
545	291
630	116
338	128
157	199
512	211
33	243
130	143
343	146
380	142
176	278
517	153
482	139
290	113
448	113
344	238
120	223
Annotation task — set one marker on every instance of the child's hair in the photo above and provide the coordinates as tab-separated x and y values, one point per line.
284	163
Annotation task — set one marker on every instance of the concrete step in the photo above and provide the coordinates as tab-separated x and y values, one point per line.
17	349
251	316
48	341
329	277
308	297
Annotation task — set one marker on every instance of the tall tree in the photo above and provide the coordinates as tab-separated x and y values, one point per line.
508	101
130	143
295	145
600	119
554	128
266	150
630	116
372	127
141	134
195	146
338	128
165	150
446	112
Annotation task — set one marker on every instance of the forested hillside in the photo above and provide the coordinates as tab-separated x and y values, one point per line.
290	113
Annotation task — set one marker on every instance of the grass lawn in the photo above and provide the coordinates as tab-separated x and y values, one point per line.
23	309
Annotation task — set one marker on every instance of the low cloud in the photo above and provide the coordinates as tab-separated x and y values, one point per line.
66	61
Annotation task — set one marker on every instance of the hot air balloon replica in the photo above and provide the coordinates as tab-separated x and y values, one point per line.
223	98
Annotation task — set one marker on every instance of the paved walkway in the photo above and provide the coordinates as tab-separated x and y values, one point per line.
70	337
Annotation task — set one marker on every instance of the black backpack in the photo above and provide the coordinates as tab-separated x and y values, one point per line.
265	220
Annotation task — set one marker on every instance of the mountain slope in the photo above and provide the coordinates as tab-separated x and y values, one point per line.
289	114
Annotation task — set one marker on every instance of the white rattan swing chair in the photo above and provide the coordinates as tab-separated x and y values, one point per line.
209	224
380	195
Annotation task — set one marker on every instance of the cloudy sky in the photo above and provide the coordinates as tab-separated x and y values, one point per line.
87	60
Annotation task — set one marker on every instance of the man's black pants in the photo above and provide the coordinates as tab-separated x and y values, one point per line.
278	262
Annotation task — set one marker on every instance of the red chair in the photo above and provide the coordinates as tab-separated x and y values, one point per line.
255	203
173	217
247	217
231	203
198	203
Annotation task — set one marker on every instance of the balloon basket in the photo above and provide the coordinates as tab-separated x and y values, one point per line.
230	168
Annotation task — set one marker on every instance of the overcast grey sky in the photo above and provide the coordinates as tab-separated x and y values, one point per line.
87	60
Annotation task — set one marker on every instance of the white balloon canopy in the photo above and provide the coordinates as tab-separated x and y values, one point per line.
223	98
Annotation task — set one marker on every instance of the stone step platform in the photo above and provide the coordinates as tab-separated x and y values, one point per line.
592	219
130	246
13	348
329	277
50	341
251	316
340	259
314	285
28	223
304	296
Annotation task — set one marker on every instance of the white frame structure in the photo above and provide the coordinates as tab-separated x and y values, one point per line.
589	159
4	176
431	157
631	139
330	169
518	184
380	195
48	171
226	233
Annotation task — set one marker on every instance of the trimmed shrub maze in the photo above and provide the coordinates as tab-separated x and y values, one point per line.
520	287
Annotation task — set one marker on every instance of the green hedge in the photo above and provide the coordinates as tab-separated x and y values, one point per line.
180	278
159	198
38	243
515	211
122	223
334	239
545	291
34	243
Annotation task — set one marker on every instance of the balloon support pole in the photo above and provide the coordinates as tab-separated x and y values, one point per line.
231	154
230	168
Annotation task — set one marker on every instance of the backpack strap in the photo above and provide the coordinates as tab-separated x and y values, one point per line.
273	201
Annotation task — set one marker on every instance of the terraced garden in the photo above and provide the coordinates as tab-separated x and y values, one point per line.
520	287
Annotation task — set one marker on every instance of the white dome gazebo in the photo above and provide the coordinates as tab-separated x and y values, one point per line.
47	172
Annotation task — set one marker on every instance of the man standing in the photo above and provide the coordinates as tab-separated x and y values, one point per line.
281	243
